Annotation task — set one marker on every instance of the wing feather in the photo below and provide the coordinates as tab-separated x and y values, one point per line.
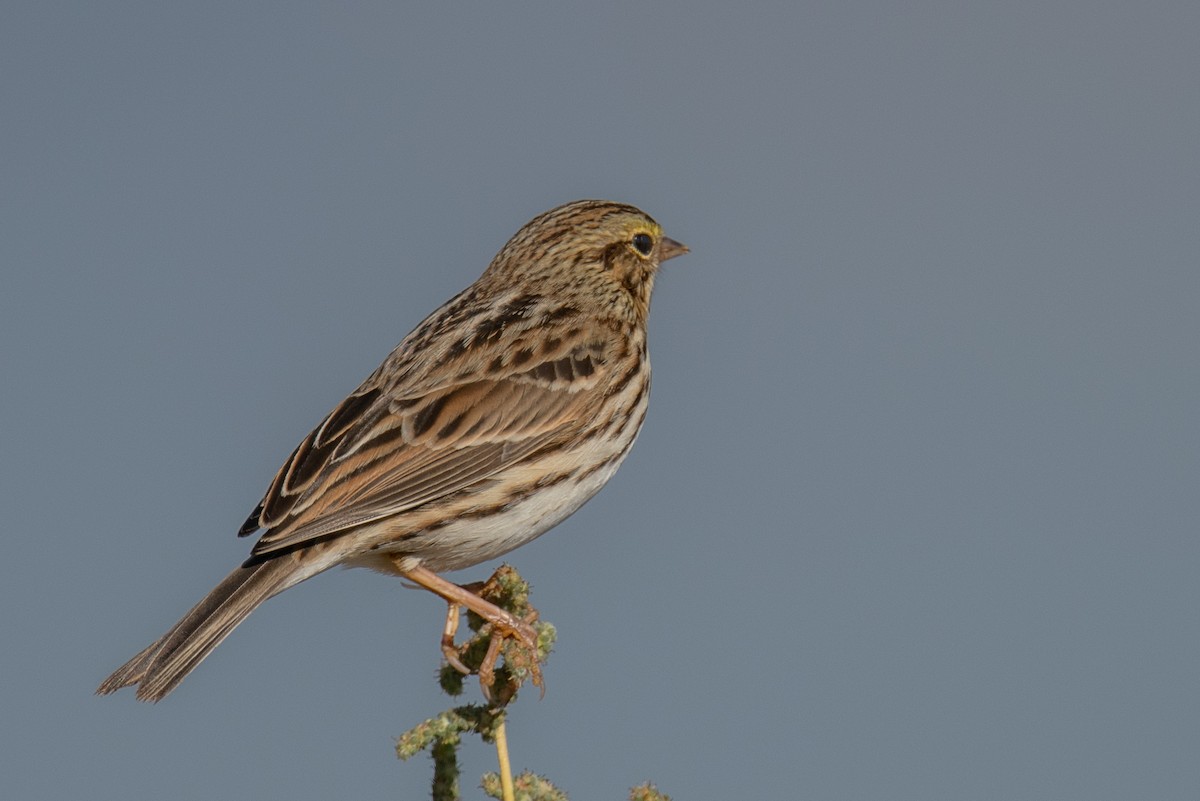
381	453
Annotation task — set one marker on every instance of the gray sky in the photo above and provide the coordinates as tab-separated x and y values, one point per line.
914	513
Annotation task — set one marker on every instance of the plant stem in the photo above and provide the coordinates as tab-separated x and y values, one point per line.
506	780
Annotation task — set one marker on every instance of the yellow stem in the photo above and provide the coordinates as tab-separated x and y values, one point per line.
506	781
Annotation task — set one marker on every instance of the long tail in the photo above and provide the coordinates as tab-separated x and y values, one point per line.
160	667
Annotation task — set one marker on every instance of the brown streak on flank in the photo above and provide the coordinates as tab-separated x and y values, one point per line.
623	382
522	356
557	478
514	498
586	472
516	495
620	418
615	422
643	397
641	418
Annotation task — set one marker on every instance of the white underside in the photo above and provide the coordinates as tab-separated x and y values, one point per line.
468	542
471	540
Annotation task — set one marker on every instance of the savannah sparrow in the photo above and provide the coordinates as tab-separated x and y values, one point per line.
494	420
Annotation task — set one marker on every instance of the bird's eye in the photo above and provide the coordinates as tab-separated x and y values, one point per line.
642	243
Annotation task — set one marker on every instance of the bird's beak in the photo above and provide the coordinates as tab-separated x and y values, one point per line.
668	248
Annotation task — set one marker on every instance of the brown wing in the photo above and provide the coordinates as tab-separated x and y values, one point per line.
377	455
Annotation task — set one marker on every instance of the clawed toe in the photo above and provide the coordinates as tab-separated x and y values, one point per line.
521	657
524	656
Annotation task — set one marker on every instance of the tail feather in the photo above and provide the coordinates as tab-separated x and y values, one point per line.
160	667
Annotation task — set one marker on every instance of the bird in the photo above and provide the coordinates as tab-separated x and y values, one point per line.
494	420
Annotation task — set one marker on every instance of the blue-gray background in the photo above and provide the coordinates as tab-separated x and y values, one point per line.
914	515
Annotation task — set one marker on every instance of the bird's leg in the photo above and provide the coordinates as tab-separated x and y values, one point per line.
449	649
453	610
487	668
505	625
